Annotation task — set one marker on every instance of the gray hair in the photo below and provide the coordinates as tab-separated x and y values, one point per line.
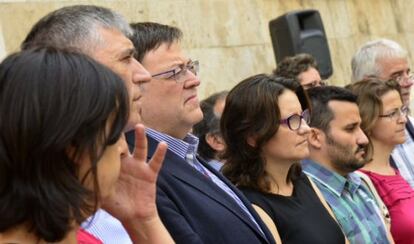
75	27
364	61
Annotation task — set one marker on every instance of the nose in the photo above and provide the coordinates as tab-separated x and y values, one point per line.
191	80
140	75
402	118
407	81
362	139
304	128
122	146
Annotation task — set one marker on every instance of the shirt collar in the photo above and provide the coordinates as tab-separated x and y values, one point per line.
179	147
332	180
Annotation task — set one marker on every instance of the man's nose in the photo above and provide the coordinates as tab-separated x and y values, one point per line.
406	81
140	74
192	80
362	139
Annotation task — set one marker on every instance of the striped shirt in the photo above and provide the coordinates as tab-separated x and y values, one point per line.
352	203
109	230
106	228
187	150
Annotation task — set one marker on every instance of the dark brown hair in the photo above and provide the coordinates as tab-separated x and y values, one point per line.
292	67
52	101
210	125
252	110
148	36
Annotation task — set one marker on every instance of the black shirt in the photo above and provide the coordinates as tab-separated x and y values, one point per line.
300	218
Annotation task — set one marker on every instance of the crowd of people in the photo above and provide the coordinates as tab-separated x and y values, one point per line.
103	140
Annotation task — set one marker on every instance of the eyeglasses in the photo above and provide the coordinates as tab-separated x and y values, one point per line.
179	73
396	114
404	79
295	120
314	84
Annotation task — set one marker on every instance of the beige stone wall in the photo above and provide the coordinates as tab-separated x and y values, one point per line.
231	37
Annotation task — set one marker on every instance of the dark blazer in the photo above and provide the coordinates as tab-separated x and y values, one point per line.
195	210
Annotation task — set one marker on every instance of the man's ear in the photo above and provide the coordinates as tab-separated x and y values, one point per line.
215	141
316	138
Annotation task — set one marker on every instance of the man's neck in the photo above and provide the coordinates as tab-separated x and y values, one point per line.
327	163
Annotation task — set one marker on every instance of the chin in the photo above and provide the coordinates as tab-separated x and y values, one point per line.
304	155
197	116
400	141
132	121
360	164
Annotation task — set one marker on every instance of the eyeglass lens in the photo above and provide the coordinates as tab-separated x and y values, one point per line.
295	121
397	114
193	67
405	79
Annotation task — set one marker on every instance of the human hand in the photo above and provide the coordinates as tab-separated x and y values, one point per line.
135	190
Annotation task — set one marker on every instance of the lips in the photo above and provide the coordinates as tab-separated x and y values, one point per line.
401	131
303	142
360	154
190	98
361	149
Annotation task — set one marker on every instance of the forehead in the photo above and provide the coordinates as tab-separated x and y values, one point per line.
309	76
391	99
391	66
344	113
288	103
167	55
113	42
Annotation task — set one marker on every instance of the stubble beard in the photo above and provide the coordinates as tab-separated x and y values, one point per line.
343	157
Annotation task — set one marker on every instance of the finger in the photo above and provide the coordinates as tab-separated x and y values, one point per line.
140	151
158	157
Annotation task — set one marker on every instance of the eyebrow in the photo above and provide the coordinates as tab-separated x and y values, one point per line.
400	72
178	63
354	124
397	73
393	109
312	82
127	52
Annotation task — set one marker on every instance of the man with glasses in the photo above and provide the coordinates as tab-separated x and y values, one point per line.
337	147
386	59
195	202
302	68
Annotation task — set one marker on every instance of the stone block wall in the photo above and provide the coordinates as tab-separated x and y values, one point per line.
230	38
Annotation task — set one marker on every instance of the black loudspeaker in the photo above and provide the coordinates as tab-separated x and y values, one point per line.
301	32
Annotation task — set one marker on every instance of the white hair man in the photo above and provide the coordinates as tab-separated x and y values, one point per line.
386	59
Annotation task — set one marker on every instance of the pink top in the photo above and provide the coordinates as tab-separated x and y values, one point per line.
398	196
84	237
